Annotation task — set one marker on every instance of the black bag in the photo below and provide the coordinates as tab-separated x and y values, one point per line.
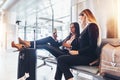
27	63
110	62
110	77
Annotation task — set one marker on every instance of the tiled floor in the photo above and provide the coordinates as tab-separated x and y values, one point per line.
9	63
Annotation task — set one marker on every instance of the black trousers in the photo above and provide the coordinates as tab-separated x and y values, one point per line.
27	63
53	50
64	63
53	47
108	76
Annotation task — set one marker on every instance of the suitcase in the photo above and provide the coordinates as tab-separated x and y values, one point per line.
27	63
108	76
110	61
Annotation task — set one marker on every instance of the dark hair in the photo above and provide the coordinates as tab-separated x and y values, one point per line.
77	29
81	14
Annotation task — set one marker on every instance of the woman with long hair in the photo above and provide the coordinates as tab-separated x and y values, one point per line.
88	40
69	43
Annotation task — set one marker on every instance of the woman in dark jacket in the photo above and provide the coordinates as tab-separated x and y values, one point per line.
69	43
88	41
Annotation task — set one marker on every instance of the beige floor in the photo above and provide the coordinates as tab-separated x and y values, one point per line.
9	63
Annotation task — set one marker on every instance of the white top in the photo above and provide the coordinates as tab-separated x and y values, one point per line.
70	41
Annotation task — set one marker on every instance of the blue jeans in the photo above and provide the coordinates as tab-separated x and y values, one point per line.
53	47
44	41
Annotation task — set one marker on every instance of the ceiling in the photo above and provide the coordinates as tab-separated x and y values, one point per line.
13	5
8	4
29	8
2	2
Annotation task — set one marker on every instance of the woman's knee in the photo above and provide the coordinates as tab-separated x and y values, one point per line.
49	37
61	59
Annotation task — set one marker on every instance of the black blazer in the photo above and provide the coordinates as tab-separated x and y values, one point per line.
74	43
88	40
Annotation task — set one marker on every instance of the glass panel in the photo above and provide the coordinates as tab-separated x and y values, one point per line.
43	19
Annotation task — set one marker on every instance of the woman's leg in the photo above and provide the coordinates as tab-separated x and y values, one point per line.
53	50
58	74
45	41
18	46
65	61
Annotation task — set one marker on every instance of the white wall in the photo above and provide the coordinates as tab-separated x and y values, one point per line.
8	29
106	13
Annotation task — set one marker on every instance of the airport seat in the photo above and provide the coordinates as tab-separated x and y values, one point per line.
92	69
44	55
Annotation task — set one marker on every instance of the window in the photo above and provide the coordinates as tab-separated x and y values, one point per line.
48	15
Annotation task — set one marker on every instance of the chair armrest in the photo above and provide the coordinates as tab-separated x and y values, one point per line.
95	62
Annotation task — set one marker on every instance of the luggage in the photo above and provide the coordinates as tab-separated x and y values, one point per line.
110	61
108	76
27	63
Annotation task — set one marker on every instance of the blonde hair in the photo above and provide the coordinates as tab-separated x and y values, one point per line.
91	18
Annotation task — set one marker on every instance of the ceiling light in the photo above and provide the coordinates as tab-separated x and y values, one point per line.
1	2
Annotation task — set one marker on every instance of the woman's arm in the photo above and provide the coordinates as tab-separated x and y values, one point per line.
73	52
66	45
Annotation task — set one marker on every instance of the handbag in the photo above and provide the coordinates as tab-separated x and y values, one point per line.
110	60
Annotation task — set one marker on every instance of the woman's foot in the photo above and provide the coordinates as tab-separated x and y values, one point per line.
26	43
18	46
55	36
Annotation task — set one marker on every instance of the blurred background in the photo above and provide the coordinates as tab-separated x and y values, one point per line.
19	18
